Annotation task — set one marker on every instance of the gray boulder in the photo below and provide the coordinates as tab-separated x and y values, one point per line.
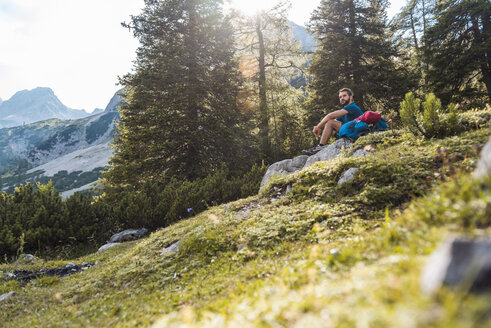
459	262
27	259
328	153
103	247
288	166
9	274
171	249
285	167
127	235
484	165
348	175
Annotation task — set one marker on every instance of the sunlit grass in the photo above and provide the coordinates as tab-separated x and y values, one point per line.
321	256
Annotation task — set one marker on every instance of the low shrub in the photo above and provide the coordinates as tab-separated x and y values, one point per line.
36	219
432	122
158	205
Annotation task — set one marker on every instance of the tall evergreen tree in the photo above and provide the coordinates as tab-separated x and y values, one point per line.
412	22
179	117
271	58
458	49
409	28
354	51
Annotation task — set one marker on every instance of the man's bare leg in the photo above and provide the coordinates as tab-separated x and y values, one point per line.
330	129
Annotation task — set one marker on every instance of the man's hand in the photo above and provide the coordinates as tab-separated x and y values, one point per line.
316	130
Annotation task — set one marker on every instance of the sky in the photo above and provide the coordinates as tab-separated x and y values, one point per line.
78	48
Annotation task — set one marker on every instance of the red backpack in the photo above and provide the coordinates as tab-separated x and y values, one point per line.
370	117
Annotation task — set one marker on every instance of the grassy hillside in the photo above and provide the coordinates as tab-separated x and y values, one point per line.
320	255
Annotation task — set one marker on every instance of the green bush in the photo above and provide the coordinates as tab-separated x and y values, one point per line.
35	219
411	114
158	205
432	122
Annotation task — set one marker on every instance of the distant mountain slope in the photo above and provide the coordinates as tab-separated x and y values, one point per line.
83	160
79	134
39	104
43	141
301	34
72	150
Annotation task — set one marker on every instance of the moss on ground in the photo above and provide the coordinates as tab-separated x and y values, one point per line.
321	255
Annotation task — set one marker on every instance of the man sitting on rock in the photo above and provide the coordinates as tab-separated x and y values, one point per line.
332	122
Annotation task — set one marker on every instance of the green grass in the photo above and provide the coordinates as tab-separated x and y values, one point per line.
321	256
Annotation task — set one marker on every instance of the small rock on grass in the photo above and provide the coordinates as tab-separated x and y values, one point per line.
348	175
459	263
128	235
171	249
6	295
103	247
484	165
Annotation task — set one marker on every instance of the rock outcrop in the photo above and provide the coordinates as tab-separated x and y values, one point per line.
288	166
459	262
106	246
330	152
121	237
284	167
128	235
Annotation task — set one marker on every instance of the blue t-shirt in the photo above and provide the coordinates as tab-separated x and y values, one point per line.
353	112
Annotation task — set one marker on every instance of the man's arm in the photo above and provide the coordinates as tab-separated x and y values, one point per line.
331	116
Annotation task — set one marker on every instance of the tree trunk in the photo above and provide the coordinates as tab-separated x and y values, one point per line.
427	66
484	57
192	116
264	143
355	54
414	30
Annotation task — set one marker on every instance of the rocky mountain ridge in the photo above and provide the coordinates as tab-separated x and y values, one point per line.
29	106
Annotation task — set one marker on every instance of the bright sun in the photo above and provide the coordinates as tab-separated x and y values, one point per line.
251	7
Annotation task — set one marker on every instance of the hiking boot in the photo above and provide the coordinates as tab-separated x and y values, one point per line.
313	150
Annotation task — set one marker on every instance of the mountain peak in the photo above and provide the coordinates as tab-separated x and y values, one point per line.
114	102
36	92
38	104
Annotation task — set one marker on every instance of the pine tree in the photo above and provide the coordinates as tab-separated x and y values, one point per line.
271	59
179	117
354	51
458	48
413	21
409	28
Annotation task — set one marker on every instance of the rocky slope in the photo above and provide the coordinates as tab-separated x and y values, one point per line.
306	252
46	146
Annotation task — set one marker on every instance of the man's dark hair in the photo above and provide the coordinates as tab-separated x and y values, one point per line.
348	90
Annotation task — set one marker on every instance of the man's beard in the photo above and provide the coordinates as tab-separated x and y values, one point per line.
345	103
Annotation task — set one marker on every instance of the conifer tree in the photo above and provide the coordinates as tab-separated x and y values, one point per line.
271	58
409	28
179	117
413	21
354	51
458	49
